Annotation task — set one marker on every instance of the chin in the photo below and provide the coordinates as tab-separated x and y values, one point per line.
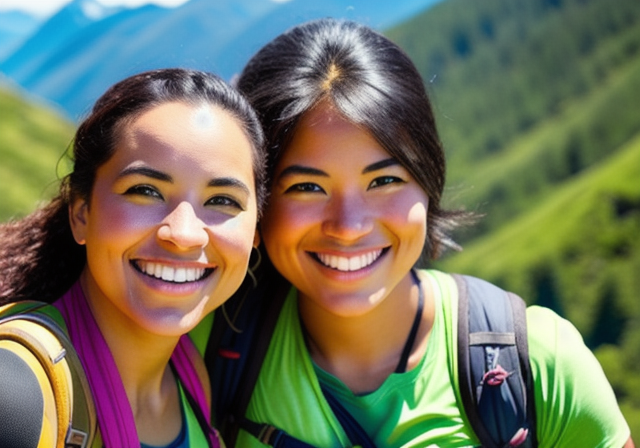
170	321
351	307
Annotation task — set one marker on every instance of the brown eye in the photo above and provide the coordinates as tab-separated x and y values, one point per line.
224	201
143	190
305	187
384	180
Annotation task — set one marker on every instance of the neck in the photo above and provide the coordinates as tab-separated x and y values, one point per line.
363	350
142	360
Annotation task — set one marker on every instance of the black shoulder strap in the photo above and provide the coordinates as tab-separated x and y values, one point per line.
356	433
234	358
236	350
494	373
271	436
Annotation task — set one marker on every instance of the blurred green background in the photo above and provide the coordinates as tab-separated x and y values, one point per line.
538	104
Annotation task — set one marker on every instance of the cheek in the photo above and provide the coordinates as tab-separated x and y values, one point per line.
282	229
234	241
112	218
281	222
417	214
111	232
409	216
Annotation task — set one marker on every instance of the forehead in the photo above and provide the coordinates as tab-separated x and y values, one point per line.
325	119
178	135
324	131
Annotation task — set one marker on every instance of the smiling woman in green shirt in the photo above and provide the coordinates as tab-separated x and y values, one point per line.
356	178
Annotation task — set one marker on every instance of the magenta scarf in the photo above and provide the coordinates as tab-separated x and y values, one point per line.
114	415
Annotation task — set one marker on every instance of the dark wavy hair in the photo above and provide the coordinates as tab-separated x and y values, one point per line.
39	259
373	83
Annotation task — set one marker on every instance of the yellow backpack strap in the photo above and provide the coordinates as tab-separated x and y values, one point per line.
32	331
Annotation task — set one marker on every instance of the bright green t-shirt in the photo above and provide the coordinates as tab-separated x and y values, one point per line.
575	405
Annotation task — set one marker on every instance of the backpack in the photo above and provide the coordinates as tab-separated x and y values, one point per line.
32	339
36	354
494	375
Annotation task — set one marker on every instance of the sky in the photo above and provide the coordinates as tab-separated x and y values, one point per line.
45	8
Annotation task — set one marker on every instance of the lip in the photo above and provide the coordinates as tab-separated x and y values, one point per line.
349	263
171	272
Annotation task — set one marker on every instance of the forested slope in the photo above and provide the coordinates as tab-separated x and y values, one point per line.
537	104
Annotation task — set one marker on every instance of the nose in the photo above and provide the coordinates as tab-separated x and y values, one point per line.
348	218
183	228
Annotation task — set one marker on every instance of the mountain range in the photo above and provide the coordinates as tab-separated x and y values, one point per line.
85	47
15	26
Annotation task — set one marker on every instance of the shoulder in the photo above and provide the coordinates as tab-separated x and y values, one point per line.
553	339
557	352
566	375
575	403
443	289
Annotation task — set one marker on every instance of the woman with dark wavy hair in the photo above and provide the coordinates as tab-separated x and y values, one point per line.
151	231
356	175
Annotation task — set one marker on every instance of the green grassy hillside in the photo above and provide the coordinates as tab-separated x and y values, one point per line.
495	68
32	141
578	252
586	131
537	104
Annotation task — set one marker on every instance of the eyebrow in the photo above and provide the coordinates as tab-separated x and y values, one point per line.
159	175
229	182
300	169
147	172
380	165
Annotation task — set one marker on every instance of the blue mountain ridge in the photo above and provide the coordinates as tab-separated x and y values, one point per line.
85	47
15	27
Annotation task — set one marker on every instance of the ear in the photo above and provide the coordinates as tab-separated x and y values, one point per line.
256	239
78	219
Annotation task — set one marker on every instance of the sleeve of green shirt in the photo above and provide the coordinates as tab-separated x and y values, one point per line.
576	406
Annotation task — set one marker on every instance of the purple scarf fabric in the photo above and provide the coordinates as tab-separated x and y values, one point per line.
114	415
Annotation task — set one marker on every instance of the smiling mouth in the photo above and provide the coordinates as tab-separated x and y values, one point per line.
171	273
349	264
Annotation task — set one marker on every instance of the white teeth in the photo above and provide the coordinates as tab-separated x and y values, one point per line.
181	275
148	267
169	273
349	263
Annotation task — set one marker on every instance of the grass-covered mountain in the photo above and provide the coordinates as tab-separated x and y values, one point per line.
32	140
538	102
499	70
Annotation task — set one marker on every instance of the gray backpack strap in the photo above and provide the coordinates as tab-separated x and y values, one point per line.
494	373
